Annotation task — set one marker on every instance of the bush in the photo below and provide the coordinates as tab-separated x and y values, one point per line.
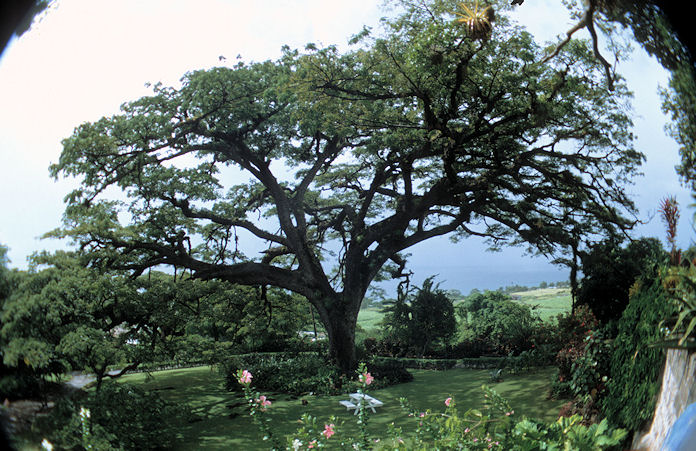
421	323
534	358
421	364
636	366
388	373
573	328
285	373
590	373
609	272
493	318
121	415
304	373
470	347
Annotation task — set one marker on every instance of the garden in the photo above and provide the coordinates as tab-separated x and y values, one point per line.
227	237
512	377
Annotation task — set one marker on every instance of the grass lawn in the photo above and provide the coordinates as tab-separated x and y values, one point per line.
549	302
369	318
225	425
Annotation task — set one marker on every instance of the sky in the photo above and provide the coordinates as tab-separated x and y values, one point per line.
86	57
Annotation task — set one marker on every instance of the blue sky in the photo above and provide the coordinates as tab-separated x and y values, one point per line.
87	57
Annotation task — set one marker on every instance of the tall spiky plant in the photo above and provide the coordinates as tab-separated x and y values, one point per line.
478	20
680	282
669	210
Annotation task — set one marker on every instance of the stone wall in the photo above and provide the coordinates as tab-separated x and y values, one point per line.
677	392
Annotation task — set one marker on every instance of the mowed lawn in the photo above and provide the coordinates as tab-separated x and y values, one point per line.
370	318
548	302
224	424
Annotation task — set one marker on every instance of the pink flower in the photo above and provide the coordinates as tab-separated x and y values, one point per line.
448	401
366	378
466	431
311	444
244	377
263	402
475	440
328	430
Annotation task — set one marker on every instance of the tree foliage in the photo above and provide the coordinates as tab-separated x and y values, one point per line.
421	321
492	317
335	163
663	31
67	315
609	271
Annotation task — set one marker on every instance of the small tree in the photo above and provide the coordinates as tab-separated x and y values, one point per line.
492	317
610	270
423	321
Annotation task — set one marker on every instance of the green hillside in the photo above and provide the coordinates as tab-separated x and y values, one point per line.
549	302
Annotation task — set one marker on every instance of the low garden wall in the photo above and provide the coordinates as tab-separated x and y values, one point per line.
481	363
677	392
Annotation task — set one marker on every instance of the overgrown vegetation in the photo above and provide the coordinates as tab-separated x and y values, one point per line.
610	270
636	363
121	416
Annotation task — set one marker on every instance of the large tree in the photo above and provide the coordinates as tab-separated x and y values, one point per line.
334	163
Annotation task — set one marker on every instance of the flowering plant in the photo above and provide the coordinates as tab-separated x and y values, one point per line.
366	378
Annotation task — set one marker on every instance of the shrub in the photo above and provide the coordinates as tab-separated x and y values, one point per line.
304	373
388	372
573	328
286	373
421	364
533	358
421	323
470	347
493	317
590	371
609	272
636	366
122	415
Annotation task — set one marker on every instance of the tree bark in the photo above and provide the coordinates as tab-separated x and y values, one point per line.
340	326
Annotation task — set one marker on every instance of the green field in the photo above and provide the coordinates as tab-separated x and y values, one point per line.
224	424
548	302
370	318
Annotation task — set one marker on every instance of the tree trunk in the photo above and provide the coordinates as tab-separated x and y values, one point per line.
340	326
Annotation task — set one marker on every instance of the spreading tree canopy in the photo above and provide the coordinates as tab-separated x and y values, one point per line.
327	165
